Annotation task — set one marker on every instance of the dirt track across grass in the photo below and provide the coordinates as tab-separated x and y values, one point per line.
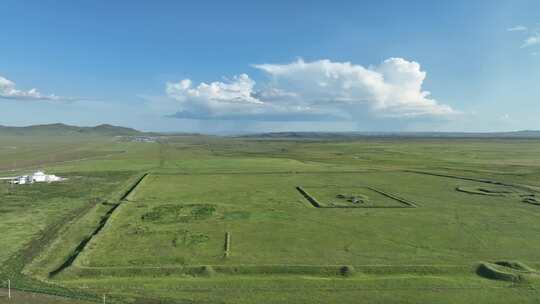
22	297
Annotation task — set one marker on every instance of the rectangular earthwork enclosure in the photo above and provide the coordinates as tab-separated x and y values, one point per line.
332	196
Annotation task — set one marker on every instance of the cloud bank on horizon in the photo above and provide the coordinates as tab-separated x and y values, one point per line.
312	91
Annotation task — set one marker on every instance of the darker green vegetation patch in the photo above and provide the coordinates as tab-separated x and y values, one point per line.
511	271
485	191
186	238
530	199
179	213
346	271
236	215
513	193
353	198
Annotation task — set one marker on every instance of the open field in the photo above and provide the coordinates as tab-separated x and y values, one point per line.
20	297
194	219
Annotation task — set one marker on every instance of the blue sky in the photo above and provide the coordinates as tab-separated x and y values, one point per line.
237	66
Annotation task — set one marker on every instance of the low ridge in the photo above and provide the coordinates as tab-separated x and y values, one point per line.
63	129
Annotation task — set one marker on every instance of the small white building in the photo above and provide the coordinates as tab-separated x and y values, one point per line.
22	180
37	177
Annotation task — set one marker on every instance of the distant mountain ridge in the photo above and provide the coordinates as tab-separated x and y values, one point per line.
352	135
63	129
60	129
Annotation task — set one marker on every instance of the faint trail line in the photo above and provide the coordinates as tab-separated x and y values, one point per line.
480	180
260	172
303	289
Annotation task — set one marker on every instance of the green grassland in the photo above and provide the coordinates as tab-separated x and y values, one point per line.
195	219
21	297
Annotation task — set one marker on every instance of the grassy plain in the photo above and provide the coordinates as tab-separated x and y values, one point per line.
166	240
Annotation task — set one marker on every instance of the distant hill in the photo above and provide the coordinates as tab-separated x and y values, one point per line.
352	135
59	129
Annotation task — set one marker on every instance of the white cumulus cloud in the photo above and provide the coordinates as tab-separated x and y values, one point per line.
315	90
532	35
235	96
531	40
8	90
239	90
518	28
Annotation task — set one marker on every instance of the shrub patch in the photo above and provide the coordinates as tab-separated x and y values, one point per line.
179	213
